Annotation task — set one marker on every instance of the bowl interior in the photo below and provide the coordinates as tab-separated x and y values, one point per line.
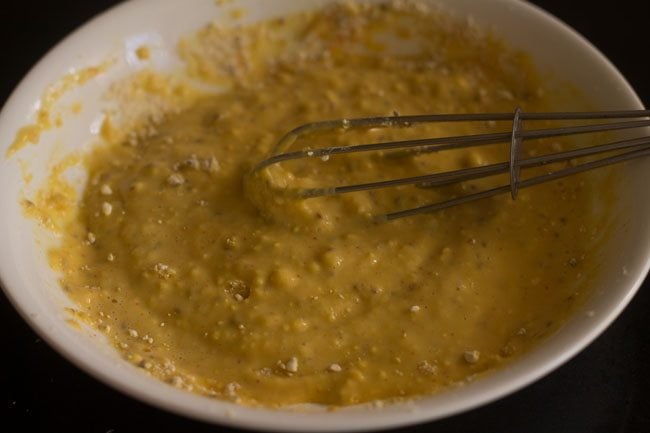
32	286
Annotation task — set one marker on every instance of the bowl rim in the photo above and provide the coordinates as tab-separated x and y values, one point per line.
278	420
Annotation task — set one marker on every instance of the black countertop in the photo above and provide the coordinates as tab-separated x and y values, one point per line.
603	389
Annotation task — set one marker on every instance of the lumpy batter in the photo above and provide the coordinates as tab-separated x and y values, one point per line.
312	301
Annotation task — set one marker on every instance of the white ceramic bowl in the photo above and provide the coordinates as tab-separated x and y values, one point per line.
32	287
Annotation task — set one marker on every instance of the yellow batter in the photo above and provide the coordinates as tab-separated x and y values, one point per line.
312	301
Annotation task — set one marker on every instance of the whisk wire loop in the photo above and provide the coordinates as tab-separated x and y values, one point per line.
615	121
515	153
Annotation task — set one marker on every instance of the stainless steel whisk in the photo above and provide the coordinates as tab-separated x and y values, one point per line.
616	120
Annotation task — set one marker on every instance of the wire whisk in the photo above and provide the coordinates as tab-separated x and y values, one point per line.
629	148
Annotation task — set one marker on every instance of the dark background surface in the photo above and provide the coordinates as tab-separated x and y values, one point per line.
604	389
